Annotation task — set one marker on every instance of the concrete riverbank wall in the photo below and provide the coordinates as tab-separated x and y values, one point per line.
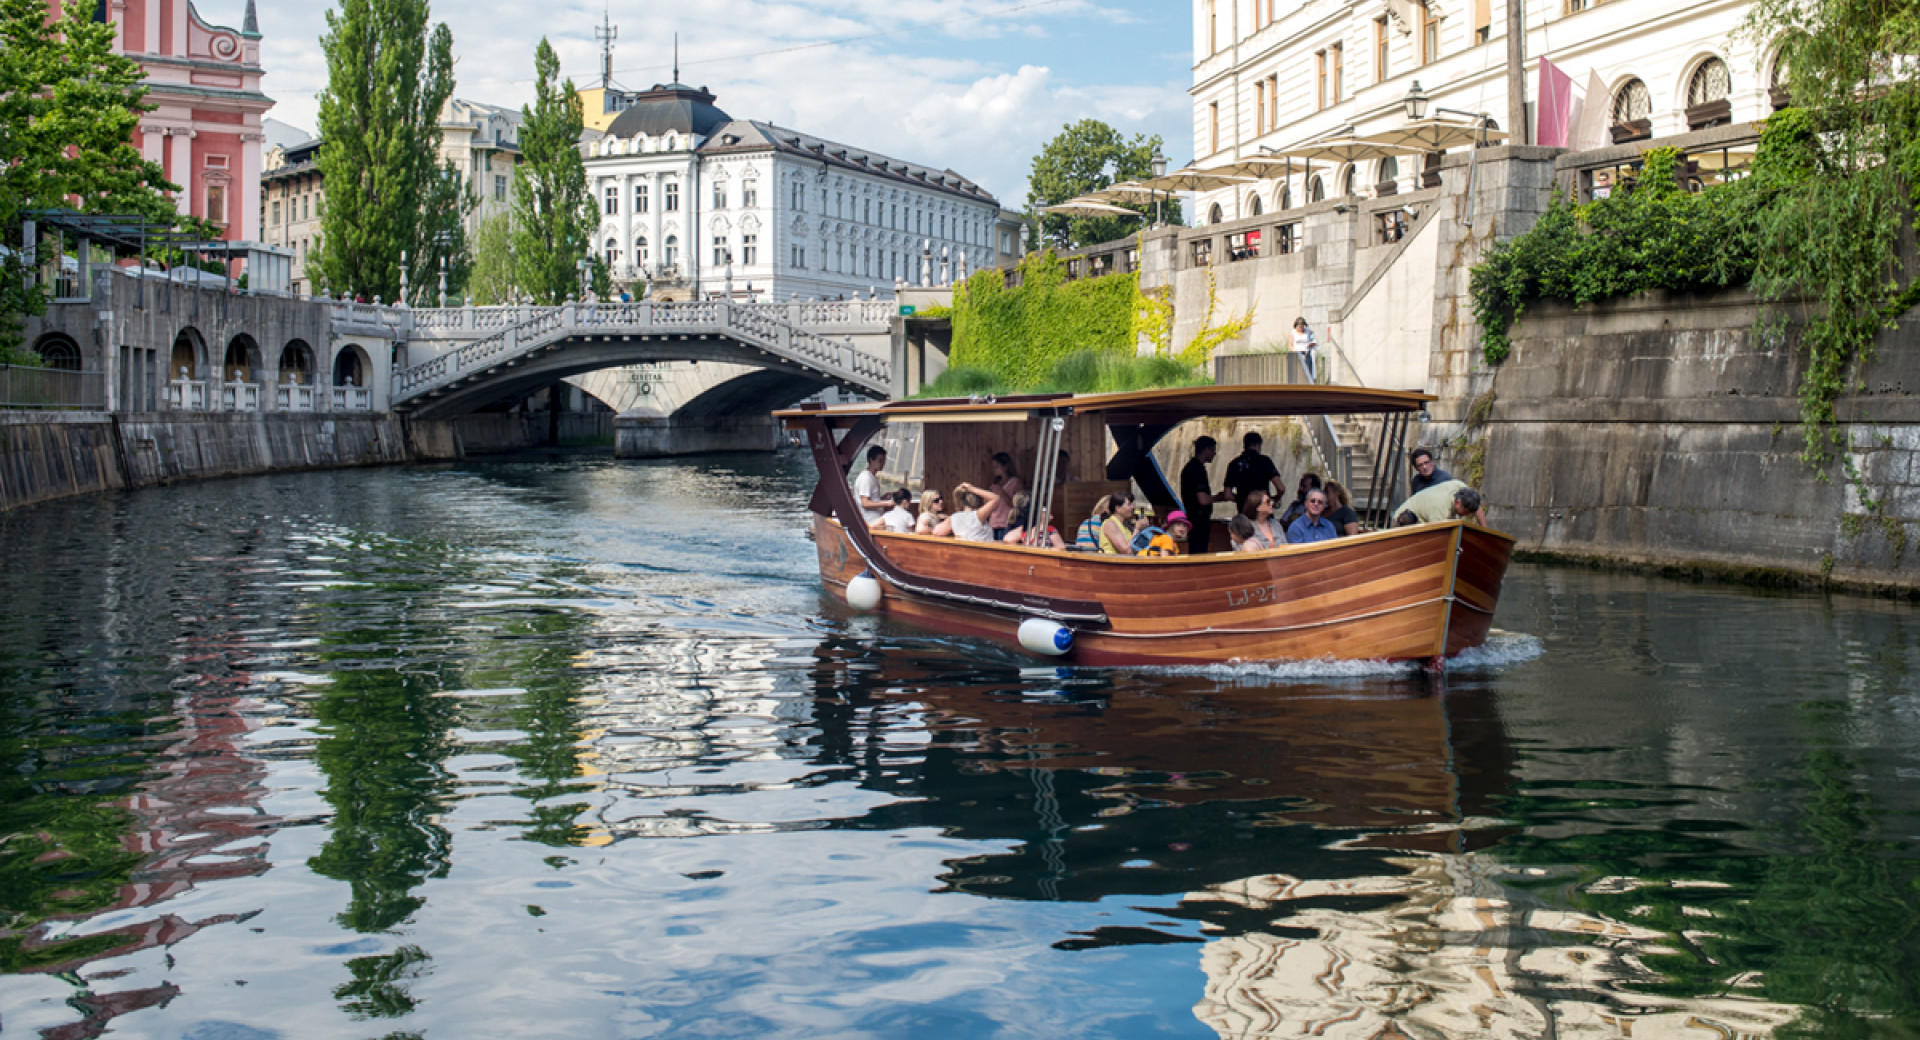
1663	431
51	455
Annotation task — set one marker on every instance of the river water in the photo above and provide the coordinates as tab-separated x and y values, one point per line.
566	747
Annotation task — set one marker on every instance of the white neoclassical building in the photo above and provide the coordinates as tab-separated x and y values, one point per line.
1275	73
695	201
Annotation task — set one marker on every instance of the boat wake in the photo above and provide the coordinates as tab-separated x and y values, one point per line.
1501	650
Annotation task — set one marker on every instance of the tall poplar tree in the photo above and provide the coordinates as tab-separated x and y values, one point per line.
69	107
554	217
388	76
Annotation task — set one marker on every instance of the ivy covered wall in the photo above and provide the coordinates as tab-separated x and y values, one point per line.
1019	334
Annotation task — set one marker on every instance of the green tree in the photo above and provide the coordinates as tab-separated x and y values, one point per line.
553	214
1832	236
69	107
388	76
1087	156
443	234
491	279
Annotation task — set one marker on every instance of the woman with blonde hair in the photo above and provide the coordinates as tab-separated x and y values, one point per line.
933	516
1115	533
1087	539
1340	511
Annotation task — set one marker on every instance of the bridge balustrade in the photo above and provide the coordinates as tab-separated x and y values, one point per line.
239	397
187	395
292	397
352	399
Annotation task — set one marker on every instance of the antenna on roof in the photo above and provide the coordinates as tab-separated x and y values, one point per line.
606	33
676	57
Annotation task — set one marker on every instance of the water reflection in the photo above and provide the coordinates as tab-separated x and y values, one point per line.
499	749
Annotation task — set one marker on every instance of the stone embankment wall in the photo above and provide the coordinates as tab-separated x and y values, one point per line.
1664	431
47	456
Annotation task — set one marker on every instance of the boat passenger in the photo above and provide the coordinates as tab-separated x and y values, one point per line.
1340	509
866	486
1240	532
1259	512
1425	472
1179	532
1087	539
1116	530
1252	471
1313	525
933	516
1017	531
1144	531
977	505
1453	500
1308	482
1196	493
1006	483
899	519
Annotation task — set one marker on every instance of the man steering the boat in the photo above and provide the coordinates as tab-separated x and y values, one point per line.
1197	495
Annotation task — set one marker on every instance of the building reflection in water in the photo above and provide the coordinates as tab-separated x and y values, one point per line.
1385	908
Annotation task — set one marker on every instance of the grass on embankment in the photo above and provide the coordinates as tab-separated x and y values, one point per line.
1082	372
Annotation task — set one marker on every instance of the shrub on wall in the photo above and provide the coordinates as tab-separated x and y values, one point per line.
1019	334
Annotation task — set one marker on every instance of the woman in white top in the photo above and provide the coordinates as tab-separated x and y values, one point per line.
972	522
1303	344
899	519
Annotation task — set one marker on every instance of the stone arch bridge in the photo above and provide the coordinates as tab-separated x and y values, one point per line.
717	368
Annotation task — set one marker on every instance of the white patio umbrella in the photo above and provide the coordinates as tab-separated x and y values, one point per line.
1121	191
1086	207
1346	150
1260	167
1194	179
1434	135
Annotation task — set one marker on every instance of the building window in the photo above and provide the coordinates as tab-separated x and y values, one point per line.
1320	80
1380	49
749	250
1429	35
671	200
670	253
1273	102
499	186
1213	26
1213	128
720	196
276	215
800	257
612	252
720	255
1214	215
749	195
1707	95
217	203
799	199
1482	20
1339	70
1316	190
613	200
1632	112
640	251
1260	106
639	198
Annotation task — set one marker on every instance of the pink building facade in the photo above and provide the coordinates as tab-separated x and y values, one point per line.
205	129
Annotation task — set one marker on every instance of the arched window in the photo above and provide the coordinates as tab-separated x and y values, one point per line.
1316	190
1286	197
670	253
613	251
59	352
1389	169
640	250
1632	112
296	363
1253	205
1214	216
1777	83
1346	182
1708	90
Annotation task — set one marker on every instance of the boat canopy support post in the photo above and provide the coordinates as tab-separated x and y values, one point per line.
1046	468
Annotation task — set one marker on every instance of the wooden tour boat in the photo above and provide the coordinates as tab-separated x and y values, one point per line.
1420	593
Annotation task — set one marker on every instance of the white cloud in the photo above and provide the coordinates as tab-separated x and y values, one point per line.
964	107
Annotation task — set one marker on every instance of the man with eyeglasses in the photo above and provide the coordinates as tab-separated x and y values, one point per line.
1425	472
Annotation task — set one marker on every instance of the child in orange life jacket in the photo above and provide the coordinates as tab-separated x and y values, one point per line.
1173	541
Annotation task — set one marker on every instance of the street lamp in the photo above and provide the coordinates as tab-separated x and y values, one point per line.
1416	102
582	264
1158	164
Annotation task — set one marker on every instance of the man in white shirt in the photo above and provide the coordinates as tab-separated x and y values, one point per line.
866	486
899	519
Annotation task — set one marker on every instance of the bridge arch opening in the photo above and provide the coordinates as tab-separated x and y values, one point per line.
296	363
243	359
189	354
58	350
350	366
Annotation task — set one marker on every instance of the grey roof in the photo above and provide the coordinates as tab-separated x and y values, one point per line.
746	135
675	106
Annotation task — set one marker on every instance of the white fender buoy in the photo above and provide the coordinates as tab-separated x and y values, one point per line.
863	593
1045	637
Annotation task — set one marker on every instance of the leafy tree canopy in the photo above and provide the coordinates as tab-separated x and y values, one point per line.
388	76
554	217
69	107
1087	156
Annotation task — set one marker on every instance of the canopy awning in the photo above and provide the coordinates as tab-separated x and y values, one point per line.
1193	179
1139	406
1434	135
1085	207
1346	150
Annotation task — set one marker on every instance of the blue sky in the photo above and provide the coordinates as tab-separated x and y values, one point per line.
974	85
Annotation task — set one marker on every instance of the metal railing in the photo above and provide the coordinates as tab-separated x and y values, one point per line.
29	386
876	314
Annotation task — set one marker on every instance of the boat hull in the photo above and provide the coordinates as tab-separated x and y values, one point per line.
1417	593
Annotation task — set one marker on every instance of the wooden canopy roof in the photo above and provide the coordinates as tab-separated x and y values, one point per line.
1138	406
